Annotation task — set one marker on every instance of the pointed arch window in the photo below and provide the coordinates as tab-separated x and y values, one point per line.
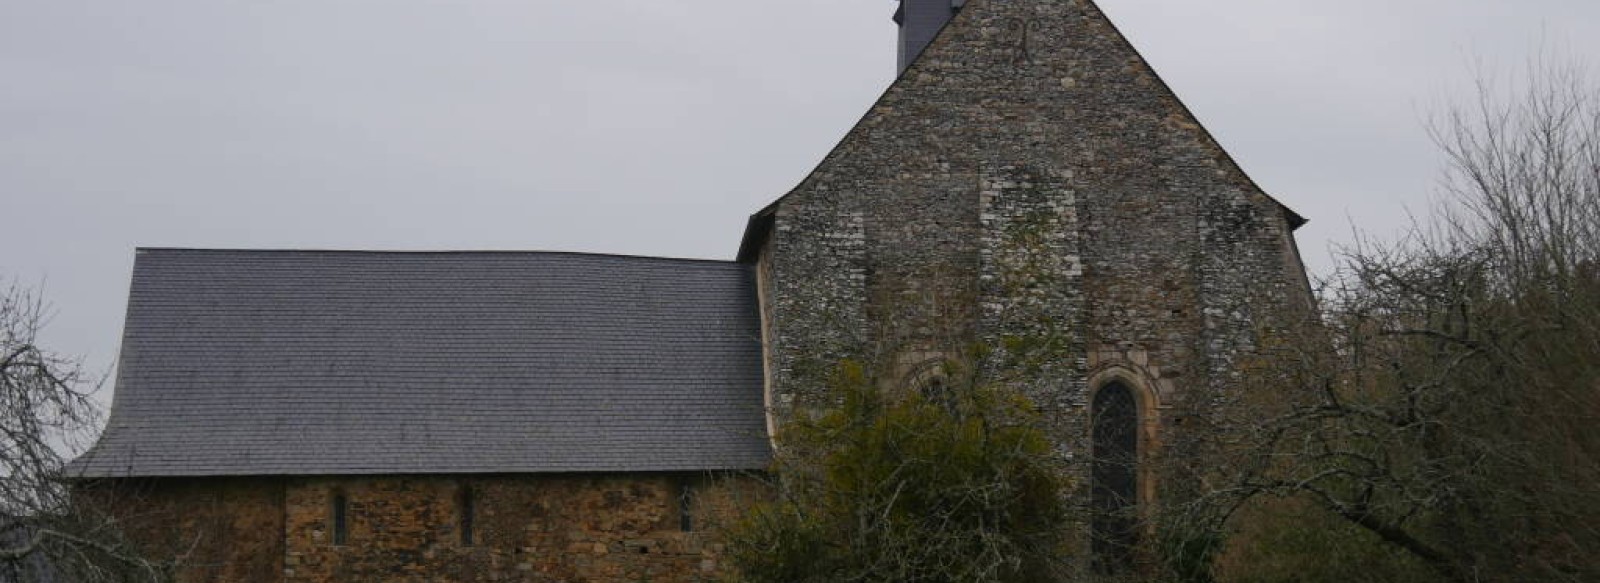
1115	477
930	381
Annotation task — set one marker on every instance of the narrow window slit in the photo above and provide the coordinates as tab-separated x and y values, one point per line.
468	510
686	505
341	530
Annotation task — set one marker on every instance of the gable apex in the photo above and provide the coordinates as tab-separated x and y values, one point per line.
1047	67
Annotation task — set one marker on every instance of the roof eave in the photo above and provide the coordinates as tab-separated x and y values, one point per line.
1295	220
756	232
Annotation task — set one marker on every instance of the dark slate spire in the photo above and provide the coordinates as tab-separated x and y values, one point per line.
920	21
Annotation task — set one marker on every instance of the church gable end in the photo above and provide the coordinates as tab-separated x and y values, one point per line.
1044	99
1029	184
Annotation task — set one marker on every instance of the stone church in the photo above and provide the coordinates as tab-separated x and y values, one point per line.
506	416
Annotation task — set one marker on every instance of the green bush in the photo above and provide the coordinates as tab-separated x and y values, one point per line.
955	486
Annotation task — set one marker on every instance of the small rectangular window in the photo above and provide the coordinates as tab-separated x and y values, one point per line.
686	505
467	509
340	526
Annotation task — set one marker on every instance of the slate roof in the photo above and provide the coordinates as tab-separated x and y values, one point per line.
329	362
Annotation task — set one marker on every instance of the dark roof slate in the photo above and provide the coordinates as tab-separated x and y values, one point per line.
328	362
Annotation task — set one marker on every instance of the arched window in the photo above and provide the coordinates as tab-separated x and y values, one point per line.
930	381
936	390
1115	485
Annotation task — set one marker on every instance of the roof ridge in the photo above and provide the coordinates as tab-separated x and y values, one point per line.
142	250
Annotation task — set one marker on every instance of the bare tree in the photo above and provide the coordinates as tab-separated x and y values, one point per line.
1443	410
47	407
1523	174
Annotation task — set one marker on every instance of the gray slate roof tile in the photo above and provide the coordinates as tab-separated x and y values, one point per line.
330	362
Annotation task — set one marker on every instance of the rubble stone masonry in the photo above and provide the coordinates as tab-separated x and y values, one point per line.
1032	186
572	528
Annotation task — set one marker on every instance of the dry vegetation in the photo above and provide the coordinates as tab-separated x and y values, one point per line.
46	407
1437	423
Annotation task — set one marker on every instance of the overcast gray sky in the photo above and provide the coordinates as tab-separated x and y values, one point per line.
648	127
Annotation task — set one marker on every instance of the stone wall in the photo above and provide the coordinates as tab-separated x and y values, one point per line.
525	528
1030	184
220	529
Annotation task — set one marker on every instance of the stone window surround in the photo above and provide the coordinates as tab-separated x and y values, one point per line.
1139	382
